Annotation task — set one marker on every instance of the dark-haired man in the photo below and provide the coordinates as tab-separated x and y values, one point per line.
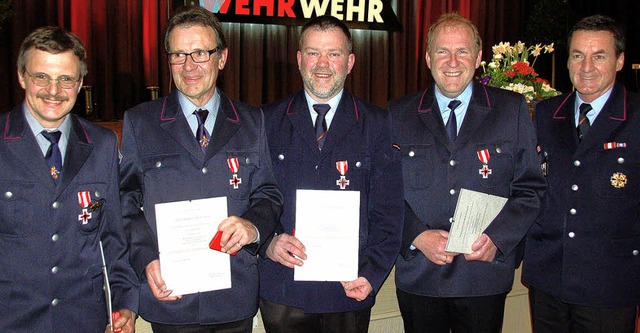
582	259
325	138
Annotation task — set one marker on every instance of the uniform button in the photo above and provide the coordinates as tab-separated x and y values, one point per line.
412	153
576	163
55	205
281	157
574	187
158	164
498	150
247	160
316	167
572	211
453	162
55	237
452	191
8	195
55	302
572	234
97	194
451	220
204	170
54	270
635	252
358	164
620	160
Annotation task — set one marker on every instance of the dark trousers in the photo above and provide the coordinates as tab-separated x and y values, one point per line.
549	314
451	314
242	326
278	318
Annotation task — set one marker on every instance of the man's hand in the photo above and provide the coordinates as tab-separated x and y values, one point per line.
236	233
286	250
126	323
432	244
157	284
357	289
483	250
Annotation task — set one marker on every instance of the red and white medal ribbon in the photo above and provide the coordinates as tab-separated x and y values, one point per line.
234	166
343	167
484	157
84	200
614	145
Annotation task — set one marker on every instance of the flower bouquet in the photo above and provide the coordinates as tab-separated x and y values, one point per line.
510	69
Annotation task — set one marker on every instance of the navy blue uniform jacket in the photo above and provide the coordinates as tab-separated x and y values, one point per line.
435	170
583	248
359	134
162	162
50	264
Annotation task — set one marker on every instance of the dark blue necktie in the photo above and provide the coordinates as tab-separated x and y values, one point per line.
452	124
202	136
583	122
53	155
321	123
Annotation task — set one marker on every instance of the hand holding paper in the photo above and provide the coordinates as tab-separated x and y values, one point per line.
483	250
156	283
474	212
286	250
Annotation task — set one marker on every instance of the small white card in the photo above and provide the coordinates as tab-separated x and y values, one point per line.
474	212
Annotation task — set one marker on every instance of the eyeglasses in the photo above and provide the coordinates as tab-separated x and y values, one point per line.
198	56
44	80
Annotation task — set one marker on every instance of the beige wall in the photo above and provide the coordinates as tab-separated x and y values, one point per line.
385	316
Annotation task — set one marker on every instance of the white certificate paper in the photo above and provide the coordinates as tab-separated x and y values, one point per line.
474	212
328	223
184	231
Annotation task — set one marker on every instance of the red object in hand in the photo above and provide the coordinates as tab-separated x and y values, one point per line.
115	315
214	244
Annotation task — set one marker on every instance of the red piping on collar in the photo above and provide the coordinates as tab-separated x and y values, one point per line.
6	130
419	104
237	120
624	108
164	103
555	114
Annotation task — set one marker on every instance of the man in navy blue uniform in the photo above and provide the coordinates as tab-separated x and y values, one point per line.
349	150
582	261
59	201
198	143
460	134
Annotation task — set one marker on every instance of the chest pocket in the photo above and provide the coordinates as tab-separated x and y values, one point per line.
417	165
499	159
617	176
242	166
16	208
91	207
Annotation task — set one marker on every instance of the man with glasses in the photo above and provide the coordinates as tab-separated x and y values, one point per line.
198	143
59	202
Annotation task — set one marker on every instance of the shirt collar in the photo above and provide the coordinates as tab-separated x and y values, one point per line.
36	127
188	107
464	97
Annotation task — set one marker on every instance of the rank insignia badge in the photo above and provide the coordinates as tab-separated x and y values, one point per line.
618	180
484	157
343	167
234	167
